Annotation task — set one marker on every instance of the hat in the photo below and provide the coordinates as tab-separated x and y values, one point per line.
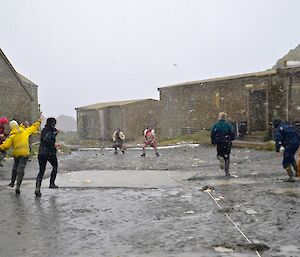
3	120
276	122
13	124
222	116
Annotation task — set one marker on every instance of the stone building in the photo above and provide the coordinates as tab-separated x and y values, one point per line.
99	121
253	99
19	95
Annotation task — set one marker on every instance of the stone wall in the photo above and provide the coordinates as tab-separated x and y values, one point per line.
195	106
131	118
15	102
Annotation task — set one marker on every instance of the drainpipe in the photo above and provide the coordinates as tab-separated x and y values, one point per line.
289	96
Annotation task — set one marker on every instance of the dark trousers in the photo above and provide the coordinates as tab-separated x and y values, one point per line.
289	155
43	159
223	150
18	169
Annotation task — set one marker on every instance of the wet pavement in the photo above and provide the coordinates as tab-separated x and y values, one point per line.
127	205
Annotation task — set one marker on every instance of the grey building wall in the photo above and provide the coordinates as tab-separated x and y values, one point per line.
132	119
255	99
15	102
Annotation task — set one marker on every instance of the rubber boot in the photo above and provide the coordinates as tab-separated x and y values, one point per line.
52	185
290	174
222	162
19	182
13	179
227	163
37	191
295	167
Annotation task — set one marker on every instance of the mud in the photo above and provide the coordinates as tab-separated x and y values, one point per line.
127	205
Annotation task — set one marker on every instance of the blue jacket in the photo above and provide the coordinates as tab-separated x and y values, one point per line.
285	135
222	132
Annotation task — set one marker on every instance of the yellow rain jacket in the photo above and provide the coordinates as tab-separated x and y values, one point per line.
18	139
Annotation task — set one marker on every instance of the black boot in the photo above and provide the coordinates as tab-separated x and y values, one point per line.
13	179
37	191
52	185
227	162
19	182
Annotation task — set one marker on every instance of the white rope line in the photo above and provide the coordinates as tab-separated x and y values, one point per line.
220	207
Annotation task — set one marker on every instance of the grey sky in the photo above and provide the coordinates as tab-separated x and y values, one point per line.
84	52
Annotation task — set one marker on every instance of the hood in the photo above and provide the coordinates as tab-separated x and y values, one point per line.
16	130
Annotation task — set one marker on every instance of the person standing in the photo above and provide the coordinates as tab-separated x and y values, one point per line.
286	136
118	139
3	136
18	140
47	153
149	139
222	135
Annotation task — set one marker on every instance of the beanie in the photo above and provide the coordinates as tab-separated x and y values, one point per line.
13	124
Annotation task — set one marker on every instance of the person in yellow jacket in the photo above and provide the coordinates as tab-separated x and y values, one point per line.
18	140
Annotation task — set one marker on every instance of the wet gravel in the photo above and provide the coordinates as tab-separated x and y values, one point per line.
167	221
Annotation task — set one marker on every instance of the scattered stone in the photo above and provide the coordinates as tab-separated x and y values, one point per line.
207	189
221	249
251	212
189	212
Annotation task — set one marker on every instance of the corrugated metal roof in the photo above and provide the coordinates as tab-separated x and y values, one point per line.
254	74
111	104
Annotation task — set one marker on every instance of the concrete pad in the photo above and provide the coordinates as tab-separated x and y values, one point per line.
120	178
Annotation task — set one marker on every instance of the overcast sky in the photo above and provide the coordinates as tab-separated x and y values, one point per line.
81	52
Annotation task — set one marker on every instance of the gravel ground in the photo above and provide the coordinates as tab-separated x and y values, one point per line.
171	219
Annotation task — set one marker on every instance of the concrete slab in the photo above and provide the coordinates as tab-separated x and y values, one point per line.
120	178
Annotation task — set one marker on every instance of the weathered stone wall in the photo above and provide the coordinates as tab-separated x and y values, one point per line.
196	106
35	111
15	102
132	119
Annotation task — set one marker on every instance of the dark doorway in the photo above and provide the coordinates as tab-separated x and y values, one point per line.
257	110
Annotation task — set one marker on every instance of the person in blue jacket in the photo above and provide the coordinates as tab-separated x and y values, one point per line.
222	135
286	136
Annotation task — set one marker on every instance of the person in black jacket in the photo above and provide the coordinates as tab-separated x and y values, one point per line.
47	153
286	136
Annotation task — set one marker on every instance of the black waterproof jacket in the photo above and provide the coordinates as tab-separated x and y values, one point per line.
48	139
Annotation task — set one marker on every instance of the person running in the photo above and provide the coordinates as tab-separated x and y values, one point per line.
222	135
149	140
118	139
286	136
3	136
47	153
18	140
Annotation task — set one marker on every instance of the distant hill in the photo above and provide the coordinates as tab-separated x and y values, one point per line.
66	123
292	55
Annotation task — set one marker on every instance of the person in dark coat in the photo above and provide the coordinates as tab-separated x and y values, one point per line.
222	135
47	153
286	136
3	136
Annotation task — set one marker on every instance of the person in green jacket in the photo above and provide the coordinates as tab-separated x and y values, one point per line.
222	135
